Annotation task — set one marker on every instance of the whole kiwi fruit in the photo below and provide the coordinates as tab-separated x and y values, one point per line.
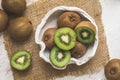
14	6
20	29
3	20
48	37
112	69
79	50
68	19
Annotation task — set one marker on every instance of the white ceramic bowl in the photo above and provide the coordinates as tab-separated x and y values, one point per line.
50	21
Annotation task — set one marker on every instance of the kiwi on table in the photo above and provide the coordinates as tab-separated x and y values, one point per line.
65	38
14	6
85	35
3	20
88	24
59	58
20	29
68	19
48	37
79	50
21	60
112	69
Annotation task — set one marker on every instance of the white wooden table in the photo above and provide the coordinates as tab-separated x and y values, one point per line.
111	21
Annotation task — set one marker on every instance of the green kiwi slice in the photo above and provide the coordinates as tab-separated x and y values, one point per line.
65	38
59	58
85	35
21	60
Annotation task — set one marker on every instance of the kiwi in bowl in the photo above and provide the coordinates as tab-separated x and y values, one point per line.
63	40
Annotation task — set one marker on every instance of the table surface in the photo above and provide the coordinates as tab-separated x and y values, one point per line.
111	21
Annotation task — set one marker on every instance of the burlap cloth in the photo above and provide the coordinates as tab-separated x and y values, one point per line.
39	69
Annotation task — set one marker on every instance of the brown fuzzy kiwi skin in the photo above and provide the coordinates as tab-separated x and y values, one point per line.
3	20
87	24
112	69
20	29
79	50
14	6
68	19
48	37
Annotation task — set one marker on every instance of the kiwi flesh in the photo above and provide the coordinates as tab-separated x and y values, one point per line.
59	58
48	37
21	60
85	35
68	19
3	20
20	29
112	69
14	6
65	38
79	50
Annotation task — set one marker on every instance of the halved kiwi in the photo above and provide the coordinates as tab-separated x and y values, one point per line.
65	38
21	60
85	35
88	24
59	58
